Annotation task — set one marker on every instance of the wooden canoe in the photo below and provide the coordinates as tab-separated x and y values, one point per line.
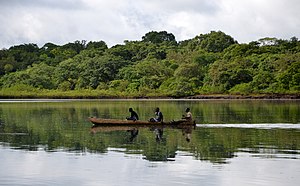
118	122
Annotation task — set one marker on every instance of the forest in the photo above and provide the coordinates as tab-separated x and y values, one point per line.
155	66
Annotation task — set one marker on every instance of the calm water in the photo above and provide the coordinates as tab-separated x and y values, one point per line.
236	142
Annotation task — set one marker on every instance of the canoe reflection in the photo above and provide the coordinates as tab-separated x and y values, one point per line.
158	130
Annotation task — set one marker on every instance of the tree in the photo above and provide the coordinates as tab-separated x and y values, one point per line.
99	45
8	68
178	86
212	42
148	73
7	65
99	69
159	37
241	50
77	46
227	74
24	55
290	79
38	76
67	72
121	51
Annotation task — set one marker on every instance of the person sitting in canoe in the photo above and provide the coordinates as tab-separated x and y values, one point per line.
188	115
159	116
133	115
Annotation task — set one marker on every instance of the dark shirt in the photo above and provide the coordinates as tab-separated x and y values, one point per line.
134	114
159	116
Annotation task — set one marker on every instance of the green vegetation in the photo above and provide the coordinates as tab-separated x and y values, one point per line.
156	66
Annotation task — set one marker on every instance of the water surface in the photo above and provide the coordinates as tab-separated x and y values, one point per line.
236	142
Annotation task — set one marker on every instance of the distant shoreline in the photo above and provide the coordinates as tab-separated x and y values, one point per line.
258	96
201	96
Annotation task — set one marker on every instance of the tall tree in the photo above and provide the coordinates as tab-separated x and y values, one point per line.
212	42
159	37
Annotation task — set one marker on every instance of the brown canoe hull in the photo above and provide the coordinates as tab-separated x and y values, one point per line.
117	122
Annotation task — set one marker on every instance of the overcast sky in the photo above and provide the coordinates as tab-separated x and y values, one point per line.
113	21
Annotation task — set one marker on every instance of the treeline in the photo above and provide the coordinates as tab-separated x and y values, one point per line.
157	65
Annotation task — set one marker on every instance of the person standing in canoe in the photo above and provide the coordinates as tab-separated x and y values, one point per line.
133	115
159	116
188	116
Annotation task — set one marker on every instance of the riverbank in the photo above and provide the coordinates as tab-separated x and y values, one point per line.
256	96
94	95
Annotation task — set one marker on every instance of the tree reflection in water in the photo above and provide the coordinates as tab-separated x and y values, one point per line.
64	127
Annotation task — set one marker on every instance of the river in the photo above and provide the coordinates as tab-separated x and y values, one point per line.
235	142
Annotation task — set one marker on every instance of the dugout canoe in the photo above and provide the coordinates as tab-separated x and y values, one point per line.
118	122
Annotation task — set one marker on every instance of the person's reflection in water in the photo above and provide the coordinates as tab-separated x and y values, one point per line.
187	131
158	134
133	134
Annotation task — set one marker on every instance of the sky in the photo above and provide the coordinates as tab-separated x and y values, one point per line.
114	21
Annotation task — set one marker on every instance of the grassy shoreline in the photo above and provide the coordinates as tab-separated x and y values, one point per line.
104	94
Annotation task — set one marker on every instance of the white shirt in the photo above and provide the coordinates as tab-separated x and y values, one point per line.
189	115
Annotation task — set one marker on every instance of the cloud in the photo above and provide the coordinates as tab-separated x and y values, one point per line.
60	4
253	19
193	6
63	21
177	17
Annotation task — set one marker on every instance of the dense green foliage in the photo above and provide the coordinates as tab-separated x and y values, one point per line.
157	65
